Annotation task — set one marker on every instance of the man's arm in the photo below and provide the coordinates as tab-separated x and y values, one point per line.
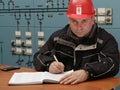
43	58
108	61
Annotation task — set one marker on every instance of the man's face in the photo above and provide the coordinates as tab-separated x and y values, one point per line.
81	27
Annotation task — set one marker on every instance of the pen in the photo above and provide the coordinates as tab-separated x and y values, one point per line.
55	58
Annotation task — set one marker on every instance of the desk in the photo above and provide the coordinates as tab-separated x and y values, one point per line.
103	84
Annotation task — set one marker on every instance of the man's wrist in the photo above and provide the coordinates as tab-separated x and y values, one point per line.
87	73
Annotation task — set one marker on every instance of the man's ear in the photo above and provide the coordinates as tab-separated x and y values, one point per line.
93	19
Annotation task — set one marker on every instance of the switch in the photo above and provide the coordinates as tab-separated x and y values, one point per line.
101	11
41	43
18	34
108	20
28	51
18	42
108	11
101	19
28	34
28	43
41	34
18	51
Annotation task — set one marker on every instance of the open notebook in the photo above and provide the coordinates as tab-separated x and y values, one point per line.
23	78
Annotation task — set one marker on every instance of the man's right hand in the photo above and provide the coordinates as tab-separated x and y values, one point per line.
56	67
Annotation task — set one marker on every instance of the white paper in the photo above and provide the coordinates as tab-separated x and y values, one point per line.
34	77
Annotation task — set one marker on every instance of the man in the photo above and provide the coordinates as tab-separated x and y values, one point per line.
81	45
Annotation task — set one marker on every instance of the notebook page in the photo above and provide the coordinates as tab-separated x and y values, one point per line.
26	78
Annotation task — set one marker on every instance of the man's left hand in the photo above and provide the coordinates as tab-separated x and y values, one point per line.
75	77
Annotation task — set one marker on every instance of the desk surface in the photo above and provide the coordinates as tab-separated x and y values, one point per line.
103	84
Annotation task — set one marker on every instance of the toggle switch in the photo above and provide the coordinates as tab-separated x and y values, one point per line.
108	11
17	51
41	34
41	43
18	42
101	19
28	43
28	51
108	20
101	11
28	34
18	34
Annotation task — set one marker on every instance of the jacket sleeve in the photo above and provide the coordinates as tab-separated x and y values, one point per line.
43	58
108	61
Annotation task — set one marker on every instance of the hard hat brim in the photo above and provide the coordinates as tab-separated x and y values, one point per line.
79	16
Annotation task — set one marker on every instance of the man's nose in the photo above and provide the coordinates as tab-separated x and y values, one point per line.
79	25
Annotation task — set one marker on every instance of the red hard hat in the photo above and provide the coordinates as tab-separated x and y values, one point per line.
80	9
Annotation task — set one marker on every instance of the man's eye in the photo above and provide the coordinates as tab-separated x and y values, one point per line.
73	21
84	21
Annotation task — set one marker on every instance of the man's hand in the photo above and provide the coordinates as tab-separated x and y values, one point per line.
56	67
75	77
